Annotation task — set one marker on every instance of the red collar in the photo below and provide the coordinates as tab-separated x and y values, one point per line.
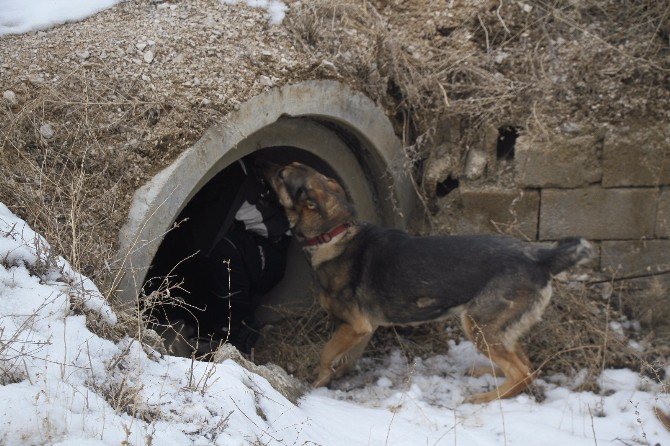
328	236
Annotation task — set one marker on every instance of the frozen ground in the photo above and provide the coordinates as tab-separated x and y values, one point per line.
21	16
62	384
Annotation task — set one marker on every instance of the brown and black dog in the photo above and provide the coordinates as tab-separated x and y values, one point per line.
370	277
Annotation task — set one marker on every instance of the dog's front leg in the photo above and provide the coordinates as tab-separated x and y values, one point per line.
352	356
345	338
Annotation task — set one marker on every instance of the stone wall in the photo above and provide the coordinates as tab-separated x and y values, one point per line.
612	187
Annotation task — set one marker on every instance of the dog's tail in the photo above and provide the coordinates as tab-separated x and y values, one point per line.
569	252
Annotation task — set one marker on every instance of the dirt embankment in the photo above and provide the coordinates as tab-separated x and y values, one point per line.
103	104
98	107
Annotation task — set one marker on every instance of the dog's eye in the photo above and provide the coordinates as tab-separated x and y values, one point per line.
311	204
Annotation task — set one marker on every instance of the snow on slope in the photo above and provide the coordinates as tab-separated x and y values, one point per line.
21	16
58	378
62	384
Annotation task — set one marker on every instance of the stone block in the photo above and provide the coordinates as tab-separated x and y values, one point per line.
599	214
634	257
565	162
653	298
637	158
495	211
663	214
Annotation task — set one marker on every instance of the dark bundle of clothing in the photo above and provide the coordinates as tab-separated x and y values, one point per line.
234	240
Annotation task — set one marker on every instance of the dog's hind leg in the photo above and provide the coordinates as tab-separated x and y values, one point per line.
515	367
343	341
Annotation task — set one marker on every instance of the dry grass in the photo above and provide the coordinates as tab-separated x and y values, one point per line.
73	187
475	65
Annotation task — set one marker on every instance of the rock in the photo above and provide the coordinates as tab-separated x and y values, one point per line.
266	81
475	164
281	381
637	156
598	213
83	54
489	211
46	131
624	258
149	56
140	46
10	97
500	57
571	128
36	79
559	161
328	65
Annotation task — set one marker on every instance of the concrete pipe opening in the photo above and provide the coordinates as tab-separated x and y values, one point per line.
324	124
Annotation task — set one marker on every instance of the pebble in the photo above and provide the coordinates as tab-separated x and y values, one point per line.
46	131
149	56
328	65
475	164
266	81
83	54
10	97
571	128
141	46
36	79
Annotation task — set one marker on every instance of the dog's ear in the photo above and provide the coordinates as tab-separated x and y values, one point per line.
334	186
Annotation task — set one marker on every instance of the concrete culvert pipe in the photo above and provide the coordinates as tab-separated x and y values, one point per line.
321	123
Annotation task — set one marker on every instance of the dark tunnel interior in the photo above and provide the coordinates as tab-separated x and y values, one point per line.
173	294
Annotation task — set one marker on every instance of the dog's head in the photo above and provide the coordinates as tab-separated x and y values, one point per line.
314	203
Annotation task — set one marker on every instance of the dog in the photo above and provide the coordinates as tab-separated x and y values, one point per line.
370	277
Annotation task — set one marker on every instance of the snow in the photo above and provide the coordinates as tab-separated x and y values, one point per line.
22	16
276	9
62	384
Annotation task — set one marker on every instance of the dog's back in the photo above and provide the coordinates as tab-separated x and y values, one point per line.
403	279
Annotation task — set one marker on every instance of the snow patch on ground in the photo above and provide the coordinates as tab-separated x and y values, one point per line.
62	384
22	16
276	9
